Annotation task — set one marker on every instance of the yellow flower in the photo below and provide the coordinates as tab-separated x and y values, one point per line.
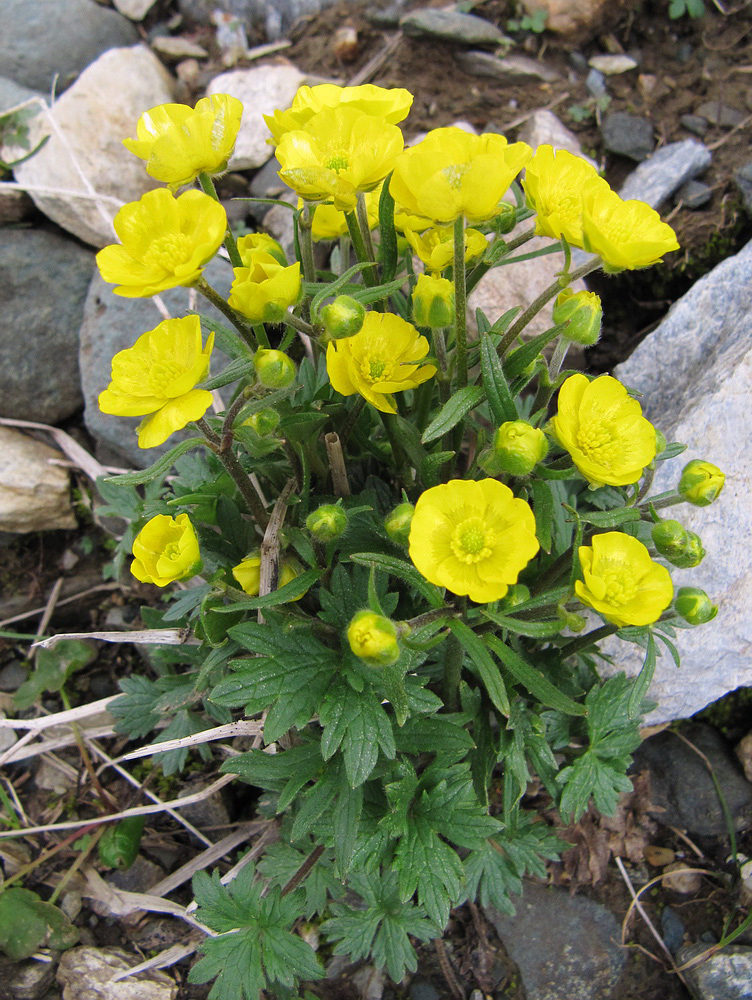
518	447
252	242
157	376
165	550
435	246
340	152
701	482
603	430
373	638
165	242
621	581
453	173
384	357
178	142
473	538
329	223
433	302
553	184
625	234
248	573
389	106
264	290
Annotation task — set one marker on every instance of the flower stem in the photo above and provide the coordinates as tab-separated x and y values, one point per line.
260	330
460	301
365	229
439	346
236	472
359	246
452	673
299	324
207	185
589	639
203	286
535	307
351	419
557	358
305	230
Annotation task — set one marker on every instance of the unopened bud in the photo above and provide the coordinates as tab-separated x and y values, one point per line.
506	218
582	312
373	639
343	317
518	447
701	482
670	538
327	523
264	422
660	442
274	369
694	606
691	555
398	522
517	593
433	302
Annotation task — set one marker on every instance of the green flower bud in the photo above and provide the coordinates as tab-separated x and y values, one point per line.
433	302
518	447
660	442
692	554
694	606
265	422
327	523
506	218
701	482
518	593
670	538
373	639
343	317
582	312
274	369
398	522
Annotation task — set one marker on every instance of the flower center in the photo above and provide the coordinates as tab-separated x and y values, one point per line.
172	551
620	588
472	540
162	374
454	174
596	443
376	369
166	251
338	162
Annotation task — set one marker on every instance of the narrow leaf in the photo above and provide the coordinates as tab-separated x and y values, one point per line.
518	360
531	629
488	670
497	390
533	680
543	507
235	370
389	252
290	592
643	679
159	468
454	410
403	571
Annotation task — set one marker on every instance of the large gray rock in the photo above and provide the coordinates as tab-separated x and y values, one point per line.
12	94
451	26
44	38
725	975
695	374
95	115
111	324
512	68
656	178
87	974
564	946
34	494
44	278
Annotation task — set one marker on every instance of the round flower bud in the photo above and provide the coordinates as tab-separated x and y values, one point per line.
398	522
274	369
343	317
670	538
433	302
519	447
327	523
518	593
264	422
373	639
691	555
701	482
506	219
582	312
694	606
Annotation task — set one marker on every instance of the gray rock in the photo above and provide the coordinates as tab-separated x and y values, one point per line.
30	980
695	124
34	494
451	26
672	929
726	975
41	384
386	17
87	973
743	182
613	64
543	127
578	61
13	94
140	877
12	676
674	768
421	989
693	194
136	10
666	170
507	68
112	324
46	38
564	946
695	374
595	83
721	114
628	135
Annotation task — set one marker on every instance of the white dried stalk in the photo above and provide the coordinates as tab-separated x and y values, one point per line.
59	743
170	956
121	903
244	727
60	718
151	636
207	857
65	443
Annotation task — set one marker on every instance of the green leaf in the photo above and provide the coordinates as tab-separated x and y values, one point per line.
52	669
237	369
387	233
160	468
607	518
500	399
281	861
543	508
136	709
27	923
283	595
487	669
403	571
518	360
533	680
591	776
317	800
434	735
118	847
357	722
643	679
532	629
431	868
346	822
455	409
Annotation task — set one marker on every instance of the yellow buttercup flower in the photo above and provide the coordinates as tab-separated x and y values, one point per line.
339	153
621	581
453	173
178	142
435	246
625	234
603	430
384	357
264	290
165	550
252	242
248	573
157	376
329	223
388	105
165	242
553	184
701	482
473	538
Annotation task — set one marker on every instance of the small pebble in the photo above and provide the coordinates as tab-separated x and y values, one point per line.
743	751
578	61
693	194
612	65
720	114
678	878
12	676
176	47
659	856
672	929
684	52
595	83
695	124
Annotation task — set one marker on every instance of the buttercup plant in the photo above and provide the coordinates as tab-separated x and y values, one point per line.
392	537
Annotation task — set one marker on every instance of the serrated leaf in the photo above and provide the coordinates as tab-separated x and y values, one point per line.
455	409
431	868
590	776
357	722
533	680
487	669
135	709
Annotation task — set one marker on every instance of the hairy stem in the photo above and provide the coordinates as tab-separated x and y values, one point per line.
460	302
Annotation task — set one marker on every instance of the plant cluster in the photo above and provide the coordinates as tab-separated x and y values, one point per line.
394	537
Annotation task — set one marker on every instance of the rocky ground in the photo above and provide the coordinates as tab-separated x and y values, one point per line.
665	107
